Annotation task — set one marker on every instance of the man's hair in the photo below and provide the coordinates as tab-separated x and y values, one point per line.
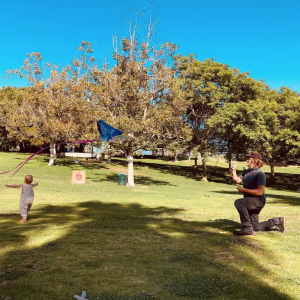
254	154
28	179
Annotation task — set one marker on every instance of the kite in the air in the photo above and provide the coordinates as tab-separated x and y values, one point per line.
107	134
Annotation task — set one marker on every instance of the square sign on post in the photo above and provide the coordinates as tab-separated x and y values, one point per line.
78	177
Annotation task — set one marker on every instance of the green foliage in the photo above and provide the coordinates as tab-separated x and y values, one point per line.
278	138
266	123
177	148
55	105
210	87
140	96
157	98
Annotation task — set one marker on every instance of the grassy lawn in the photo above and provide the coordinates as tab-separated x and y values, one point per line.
169	237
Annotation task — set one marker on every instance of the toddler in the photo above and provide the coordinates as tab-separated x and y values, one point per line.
27	196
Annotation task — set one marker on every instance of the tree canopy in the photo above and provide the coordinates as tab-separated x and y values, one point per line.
157	98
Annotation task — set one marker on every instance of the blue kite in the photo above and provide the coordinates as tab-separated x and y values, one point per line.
107	134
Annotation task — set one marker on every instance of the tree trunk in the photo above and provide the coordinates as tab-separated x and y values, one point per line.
130	178
108	157
175	157
229	164
195	167
199	157
102	157
204	172
272	170
81	148
204	167
22	147
52	154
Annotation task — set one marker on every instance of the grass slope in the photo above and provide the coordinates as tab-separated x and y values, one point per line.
169	237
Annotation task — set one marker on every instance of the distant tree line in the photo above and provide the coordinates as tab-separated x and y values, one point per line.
158	98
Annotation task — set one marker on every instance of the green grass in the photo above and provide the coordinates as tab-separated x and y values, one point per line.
169	237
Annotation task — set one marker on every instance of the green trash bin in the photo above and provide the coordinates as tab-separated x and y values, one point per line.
122	178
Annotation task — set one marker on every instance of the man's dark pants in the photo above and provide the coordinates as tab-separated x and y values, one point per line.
249	209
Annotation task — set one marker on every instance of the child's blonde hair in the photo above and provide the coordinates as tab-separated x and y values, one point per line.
28	179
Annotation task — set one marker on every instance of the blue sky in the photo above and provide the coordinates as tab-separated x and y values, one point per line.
259	36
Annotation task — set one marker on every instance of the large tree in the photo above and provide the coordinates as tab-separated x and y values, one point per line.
279	137
207	86
9	97
140	96
235	123
267	123
55	104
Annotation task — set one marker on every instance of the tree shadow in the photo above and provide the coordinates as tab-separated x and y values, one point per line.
214	173
21	155
142	180
115	251
284	181
284	199
218	174
70	163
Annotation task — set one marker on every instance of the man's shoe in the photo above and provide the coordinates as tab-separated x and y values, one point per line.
281	224
244	232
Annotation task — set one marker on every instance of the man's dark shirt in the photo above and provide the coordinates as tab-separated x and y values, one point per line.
252	178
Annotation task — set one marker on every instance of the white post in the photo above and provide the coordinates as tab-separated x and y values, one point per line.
52	154
130	178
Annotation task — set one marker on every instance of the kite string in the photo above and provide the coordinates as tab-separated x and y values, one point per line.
20	165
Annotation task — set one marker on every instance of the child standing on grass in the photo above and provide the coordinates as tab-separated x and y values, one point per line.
27	196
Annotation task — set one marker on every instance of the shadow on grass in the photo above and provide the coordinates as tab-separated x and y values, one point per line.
91	165
115	251
283	181
284	199
143	180
290	200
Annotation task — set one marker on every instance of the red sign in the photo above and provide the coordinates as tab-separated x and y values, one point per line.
78	177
